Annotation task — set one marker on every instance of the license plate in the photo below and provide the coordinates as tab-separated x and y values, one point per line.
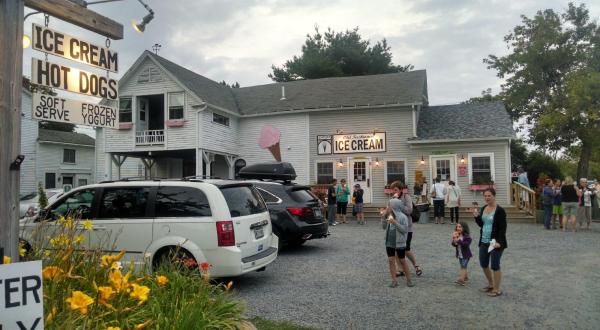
259	233
318	213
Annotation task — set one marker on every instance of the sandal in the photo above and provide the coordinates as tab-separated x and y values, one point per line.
494	293
399	274
418	270
486	289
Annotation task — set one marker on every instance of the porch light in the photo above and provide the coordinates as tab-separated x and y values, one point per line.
376	161
26	41
462	159
340	163
422	160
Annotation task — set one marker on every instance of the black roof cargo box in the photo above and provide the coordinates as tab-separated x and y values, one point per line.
269	171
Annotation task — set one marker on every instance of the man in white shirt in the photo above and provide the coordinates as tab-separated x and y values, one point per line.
438	194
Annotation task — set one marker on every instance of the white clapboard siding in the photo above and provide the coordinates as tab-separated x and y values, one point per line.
293	145
500	149
395	122
29	135
176	137
217	137
50	160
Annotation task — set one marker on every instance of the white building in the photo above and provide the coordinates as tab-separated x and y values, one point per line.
54	158
368	129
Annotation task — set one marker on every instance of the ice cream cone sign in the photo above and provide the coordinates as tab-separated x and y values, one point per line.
269	139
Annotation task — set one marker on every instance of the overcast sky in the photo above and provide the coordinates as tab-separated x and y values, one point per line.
240	40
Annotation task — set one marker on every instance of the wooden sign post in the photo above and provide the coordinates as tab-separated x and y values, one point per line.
11	77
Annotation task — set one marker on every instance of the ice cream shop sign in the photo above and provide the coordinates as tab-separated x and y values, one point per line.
351	143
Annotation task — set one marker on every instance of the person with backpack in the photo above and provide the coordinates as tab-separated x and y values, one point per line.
401	193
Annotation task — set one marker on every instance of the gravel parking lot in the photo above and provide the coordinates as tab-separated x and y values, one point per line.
551	281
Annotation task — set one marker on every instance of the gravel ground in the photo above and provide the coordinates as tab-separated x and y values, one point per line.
551	280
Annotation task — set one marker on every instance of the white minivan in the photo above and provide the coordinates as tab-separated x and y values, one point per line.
225	223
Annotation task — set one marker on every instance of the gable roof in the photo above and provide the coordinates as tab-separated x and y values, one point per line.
336	92
208	90
464	121
46	135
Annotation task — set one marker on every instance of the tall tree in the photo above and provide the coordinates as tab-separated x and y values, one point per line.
486	96
337	54
550	75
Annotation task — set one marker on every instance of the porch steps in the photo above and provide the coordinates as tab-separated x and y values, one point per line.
513	214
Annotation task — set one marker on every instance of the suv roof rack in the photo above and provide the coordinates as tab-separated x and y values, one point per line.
132	178
276	171
199	177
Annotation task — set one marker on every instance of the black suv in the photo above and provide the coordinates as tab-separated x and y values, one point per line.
296	213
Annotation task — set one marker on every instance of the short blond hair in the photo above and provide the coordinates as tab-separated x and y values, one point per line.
568	180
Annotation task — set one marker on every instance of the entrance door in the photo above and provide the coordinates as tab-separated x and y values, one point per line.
360	172
142	115
443	167
67	182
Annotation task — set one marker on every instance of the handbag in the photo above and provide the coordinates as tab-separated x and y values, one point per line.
415	214
433	194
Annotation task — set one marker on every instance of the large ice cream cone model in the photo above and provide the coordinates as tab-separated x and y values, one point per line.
269	139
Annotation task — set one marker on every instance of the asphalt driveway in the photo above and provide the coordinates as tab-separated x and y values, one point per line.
551	281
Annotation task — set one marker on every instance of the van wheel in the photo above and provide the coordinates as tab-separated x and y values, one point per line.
173	257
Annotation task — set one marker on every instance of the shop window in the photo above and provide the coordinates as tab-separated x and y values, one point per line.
325	173
481	168
176	102
123	203
69	156
442	169
217	118
395	171
147	75
125	110
82	182
50	180
360	171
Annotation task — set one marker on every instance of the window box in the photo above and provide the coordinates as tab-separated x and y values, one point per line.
175	122
125	125
475	187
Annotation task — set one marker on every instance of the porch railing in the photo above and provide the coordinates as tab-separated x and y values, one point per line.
523	197
150	137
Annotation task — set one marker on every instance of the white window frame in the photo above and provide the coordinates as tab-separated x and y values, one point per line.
169	105
385	169
131	98
332	162
492	164
218	114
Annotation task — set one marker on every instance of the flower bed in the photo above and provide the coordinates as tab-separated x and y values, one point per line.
84	289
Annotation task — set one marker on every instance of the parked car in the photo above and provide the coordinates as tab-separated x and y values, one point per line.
29	203
222	222
296	213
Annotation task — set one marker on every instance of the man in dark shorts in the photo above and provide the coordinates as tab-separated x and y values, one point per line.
331	203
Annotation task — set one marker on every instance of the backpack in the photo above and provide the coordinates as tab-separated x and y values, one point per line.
416	214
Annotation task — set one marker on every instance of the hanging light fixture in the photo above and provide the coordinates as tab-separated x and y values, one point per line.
26	41
422	160
462	159
140	27
376	161
340	163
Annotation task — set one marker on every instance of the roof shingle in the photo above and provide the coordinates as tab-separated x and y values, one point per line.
464	121
46	135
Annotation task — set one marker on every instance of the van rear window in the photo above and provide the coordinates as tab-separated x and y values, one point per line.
243	200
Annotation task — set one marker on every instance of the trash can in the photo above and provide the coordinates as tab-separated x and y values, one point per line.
424	210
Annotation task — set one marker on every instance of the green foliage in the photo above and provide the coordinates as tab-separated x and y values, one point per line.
486	96
42	198
518	153
550	75
337	54
233	85
539	164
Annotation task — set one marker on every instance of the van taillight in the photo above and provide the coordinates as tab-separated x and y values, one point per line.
225	233
300	211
